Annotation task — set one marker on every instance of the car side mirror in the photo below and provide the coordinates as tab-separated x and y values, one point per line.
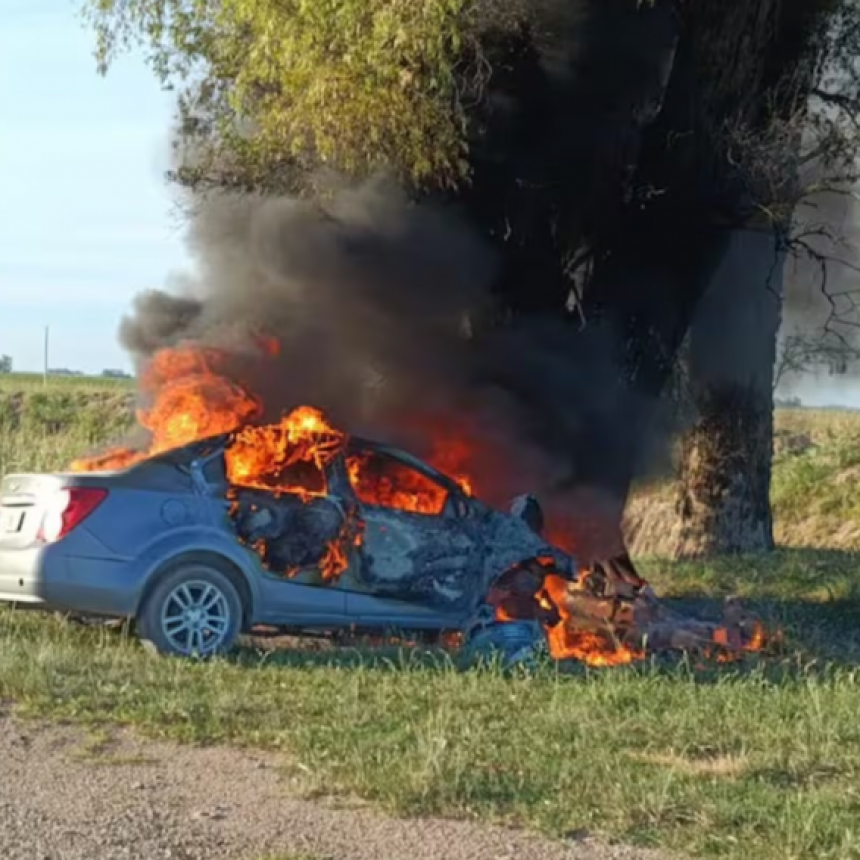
527	508
462	508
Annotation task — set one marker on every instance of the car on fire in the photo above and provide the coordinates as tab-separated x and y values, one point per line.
370	538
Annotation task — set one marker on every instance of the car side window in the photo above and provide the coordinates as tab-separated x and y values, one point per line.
385	482
299	476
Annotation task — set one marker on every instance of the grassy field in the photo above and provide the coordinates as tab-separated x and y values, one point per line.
757	760
14	382
815	492
43	428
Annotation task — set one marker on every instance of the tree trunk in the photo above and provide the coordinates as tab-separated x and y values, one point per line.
639	338
723	500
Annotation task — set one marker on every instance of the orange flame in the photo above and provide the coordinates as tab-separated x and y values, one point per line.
263	456
566	641
452	456
290	457
380	481
191	400
731	645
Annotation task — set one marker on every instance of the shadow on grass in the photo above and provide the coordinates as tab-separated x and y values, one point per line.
811	596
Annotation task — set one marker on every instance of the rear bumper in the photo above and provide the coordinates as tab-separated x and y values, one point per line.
21	579
43	576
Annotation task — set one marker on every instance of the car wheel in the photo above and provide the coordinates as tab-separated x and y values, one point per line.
193	611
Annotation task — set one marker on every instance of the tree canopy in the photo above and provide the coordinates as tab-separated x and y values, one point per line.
352	84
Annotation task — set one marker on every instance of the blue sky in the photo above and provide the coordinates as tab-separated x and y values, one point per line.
86	220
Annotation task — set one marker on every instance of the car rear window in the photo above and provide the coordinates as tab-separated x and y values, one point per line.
383	481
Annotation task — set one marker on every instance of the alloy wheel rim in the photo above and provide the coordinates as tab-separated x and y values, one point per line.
195	618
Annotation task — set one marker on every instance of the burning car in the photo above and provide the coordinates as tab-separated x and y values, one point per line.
293	525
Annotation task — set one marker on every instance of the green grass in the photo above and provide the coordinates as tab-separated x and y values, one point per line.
816	493
36	381
755	760
43	429
761	760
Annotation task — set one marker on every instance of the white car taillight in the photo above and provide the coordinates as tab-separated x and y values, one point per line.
67	509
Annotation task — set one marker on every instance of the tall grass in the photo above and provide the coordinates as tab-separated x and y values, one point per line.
15	382
43	430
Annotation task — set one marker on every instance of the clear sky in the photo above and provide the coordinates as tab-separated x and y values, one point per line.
85	217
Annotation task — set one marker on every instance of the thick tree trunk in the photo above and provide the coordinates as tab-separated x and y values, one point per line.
638	338
723	500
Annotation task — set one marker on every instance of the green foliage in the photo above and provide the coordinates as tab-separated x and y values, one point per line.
354	85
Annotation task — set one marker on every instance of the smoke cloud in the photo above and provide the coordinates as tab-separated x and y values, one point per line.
365	296
377	305
822	303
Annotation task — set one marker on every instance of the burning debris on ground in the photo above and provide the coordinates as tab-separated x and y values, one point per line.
603	617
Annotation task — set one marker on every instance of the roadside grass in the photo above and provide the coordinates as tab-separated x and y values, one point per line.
45	429
815	494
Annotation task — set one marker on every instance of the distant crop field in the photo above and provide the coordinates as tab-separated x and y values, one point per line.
45	427
31	381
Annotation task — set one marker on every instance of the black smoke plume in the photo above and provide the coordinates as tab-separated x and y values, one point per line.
379	308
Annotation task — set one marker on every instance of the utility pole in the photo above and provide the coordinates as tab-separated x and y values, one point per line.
45	372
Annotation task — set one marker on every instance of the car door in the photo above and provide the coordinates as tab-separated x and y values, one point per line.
292	594
417	547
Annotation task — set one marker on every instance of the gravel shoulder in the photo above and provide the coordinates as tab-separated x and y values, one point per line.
69	794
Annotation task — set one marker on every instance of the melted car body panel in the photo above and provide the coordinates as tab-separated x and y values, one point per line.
417	557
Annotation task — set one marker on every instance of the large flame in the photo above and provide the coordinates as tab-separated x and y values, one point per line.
191	399
380	481
290	457
271	456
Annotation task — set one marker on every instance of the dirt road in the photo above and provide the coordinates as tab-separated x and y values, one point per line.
66	794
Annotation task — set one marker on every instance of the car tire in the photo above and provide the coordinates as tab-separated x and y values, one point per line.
194	610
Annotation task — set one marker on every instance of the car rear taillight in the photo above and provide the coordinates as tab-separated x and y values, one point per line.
67	509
